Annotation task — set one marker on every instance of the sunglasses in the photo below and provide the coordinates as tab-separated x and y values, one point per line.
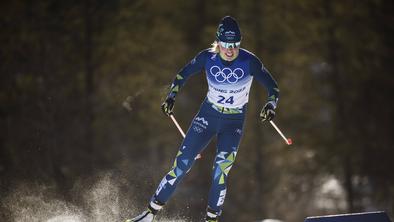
228	45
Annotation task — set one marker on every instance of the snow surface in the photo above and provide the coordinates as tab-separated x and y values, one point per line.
101	203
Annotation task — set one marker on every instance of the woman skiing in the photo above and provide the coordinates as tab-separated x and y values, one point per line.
229	71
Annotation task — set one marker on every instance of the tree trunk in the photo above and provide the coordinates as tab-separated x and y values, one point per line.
258	97
89	77
337	81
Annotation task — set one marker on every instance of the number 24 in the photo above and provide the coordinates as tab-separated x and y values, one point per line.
223	100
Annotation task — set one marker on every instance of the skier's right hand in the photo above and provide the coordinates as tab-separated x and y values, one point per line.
168	106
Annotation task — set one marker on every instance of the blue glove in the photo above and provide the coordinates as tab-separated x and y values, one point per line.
268	112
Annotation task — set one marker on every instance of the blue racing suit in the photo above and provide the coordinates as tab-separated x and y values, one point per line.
221	114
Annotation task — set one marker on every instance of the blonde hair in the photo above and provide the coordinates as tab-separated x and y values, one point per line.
214	47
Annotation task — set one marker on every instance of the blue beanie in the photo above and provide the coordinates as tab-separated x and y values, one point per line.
228	30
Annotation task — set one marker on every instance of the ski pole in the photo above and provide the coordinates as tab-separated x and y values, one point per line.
287	140
177	125
181	131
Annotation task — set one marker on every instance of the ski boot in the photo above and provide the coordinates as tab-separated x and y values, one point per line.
211	219
212	216
149	214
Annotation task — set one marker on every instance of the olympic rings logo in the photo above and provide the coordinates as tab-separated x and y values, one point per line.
226	74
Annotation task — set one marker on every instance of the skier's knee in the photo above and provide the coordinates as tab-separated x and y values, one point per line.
180	166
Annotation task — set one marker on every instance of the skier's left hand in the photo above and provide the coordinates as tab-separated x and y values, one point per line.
268	112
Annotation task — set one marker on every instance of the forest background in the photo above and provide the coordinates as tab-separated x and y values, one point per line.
82	132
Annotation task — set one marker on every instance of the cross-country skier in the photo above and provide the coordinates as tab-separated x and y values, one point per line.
229	71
